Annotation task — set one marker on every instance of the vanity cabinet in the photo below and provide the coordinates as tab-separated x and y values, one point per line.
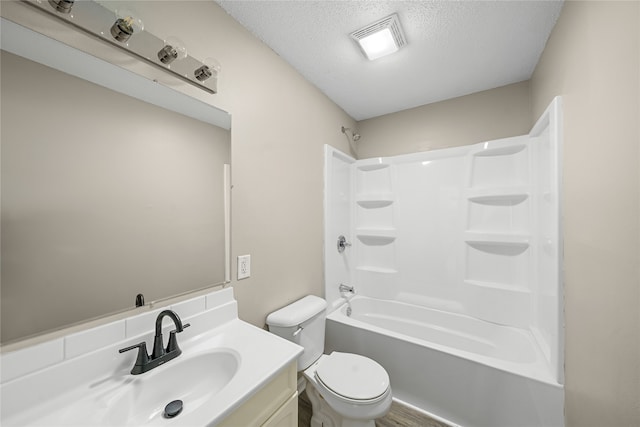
274	405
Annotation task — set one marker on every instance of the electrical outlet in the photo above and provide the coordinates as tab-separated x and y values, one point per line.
244	266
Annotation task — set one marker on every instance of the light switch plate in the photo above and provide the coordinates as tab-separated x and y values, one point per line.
244	266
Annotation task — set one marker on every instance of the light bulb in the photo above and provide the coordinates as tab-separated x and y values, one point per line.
211	67
173	49
126	25
62	6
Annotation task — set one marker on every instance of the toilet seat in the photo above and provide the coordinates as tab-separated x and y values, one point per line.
352	377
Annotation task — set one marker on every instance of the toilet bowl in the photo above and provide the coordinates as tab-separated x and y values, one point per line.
355	387
345	390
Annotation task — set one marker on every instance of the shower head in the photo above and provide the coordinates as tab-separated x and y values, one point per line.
355	136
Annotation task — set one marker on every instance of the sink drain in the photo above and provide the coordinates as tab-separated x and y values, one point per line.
173	408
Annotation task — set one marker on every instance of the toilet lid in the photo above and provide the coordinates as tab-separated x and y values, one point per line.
353	376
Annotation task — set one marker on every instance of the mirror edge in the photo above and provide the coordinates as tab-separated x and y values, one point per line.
24	41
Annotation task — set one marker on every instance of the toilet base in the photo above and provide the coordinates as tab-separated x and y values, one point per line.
323	415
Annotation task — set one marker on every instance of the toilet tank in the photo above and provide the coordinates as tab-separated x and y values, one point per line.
302	322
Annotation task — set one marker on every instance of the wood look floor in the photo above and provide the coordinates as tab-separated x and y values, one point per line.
399	416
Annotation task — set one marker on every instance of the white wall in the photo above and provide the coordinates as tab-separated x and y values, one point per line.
592	59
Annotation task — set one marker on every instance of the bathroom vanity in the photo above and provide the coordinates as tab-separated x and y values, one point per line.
229	373
274	405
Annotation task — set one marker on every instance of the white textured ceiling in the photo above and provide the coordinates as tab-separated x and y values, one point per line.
454	47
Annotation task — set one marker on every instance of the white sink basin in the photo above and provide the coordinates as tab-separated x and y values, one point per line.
223	362
136	400
194	380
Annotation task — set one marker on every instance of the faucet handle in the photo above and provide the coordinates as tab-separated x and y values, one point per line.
141	360
342	244
140	345
172	345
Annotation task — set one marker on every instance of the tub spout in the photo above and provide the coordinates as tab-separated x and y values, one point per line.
345	288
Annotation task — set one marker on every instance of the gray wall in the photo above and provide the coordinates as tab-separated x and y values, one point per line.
482	116
593	59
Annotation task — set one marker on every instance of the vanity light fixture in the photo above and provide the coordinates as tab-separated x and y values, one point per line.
211	66
381	38
173	49
126	24
123	29
62	6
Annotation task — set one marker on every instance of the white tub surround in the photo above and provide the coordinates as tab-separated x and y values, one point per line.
462	249
81	379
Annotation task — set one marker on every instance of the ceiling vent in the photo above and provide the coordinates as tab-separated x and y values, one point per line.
381	38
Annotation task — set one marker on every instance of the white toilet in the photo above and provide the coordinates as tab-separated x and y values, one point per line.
345	390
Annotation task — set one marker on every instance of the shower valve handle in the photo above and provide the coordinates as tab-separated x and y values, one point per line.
342	244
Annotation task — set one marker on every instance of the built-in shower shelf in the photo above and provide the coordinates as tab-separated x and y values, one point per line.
498	196
377	231
499	244
373	204
373	269
374	165
510	287
377	236
488	237
373	201
501	151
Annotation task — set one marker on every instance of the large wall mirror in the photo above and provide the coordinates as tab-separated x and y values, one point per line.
104	196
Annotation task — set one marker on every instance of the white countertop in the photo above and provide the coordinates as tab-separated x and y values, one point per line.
85	390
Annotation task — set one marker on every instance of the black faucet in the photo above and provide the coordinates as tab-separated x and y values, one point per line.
159	355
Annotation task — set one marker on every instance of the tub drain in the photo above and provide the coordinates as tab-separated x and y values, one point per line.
173	408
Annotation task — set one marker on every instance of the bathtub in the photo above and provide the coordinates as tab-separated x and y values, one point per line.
459	369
